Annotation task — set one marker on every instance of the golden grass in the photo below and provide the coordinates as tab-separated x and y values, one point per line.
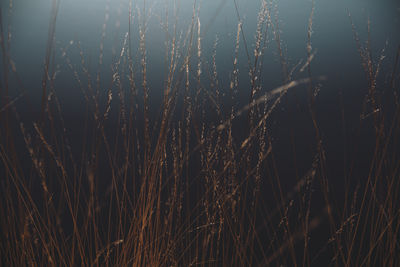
188	187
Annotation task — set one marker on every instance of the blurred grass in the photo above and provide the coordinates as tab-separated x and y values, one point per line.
200	183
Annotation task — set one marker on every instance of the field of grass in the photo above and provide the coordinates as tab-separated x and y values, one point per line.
197	179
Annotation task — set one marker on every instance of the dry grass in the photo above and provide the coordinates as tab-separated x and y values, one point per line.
191	186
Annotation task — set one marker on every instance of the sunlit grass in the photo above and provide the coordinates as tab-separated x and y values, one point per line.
198	183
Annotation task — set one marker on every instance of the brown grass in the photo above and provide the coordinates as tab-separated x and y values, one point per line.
199	184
